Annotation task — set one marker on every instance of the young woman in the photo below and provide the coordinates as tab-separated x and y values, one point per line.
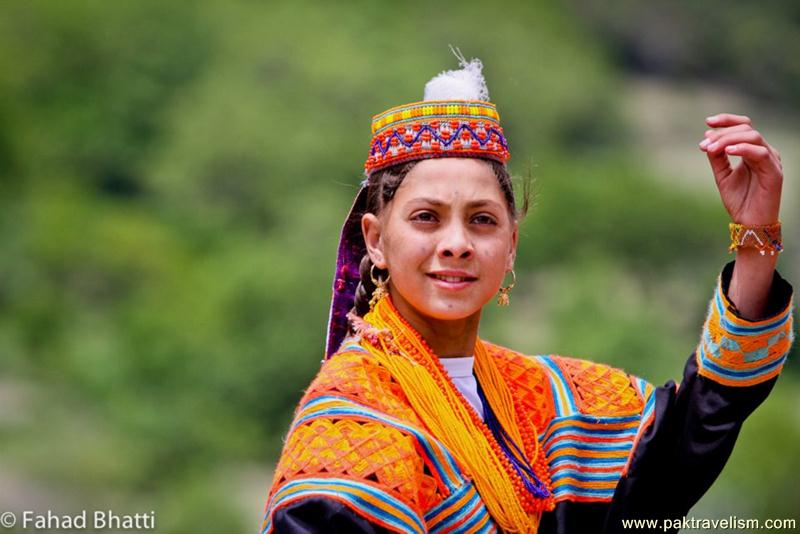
415	424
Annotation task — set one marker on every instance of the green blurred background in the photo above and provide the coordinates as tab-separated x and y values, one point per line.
173	177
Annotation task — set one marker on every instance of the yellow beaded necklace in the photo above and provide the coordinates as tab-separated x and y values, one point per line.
449	418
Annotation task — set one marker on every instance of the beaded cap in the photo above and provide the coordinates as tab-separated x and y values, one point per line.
454	128
455	119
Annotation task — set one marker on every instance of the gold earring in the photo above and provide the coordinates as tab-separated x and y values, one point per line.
502	299
380	287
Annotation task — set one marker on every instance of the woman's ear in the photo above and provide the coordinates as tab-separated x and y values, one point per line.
512	253
372	230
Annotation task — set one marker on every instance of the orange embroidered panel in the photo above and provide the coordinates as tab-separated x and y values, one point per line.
355	376
529	382
600	389
365	451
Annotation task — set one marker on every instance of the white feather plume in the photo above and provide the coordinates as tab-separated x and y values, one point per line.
466	83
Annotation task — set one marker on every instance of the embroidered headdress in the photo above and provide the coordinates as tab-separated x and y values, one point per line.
454	119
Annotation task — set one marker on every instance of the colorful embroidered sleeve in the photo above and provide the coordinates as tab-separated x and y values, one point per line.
737	352
694	425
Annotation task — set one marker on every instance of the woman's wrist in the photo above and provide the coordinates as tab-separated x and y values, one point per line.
751	282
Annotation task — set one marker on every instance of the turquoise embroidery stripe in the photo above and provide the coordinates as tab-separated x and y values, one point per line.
584	476
596	419
475	520
453	497
588	447
391	510
584	461
732	345
474	506
749	330
565	403
489	528
557	427
352	347
469	508
735	374
578	432
577	491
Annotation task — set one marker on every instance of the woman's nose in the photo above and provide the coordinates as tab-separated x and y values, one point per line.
456	242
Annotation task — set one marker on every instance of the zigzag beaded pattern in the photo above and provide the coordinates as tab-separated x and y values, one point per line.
737	352
423	130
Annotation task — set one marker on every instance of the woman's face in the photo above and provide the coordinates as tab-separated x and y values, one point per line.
446	238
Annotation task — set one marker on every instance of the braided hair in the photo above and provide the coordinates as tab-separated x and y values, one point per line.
381	188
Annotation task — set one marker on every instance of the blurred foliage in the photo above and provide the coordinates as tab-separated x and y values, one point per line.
746	44
172	181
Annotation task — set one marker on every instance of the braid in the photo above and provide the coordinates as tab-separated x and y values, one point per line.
381	187
365	287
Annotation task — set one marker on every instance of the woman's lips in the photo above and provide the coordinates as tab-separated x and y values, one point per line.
452	282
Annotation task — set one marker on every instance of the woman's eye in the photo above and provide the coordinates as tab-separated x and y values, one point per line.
424	216
484	219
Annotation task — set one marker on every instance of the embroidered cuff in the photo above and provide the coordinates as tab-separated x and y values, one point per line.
738	352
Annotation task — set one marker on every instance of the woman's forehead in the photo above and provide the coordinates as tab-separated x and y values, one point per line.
450	180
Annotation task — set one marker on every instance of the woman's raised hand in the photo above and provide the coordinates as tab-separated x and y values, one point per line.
750	191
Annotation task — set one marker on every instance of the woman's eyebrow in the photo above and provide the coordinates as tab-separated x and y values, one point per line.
471	204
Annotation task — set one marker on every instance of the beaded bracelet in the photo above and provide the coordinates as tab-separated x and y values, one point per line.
763	238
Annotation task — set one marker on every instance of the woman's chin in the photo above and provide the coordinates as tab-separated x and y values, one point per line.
450	309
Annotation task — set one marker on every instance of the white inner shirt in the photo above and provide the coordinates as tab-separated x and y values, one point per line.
460	371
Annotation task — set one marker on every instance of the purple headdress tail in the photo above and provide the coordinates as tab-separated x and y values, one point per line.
345	281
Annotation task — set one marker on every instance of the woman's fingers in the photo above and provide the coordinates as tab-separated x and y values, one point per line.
722	135
727	119
719	132
720	164
718	144
758	156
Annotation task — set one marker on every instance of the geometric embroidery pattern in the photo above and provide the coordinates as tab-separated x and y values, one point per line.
361	450
598	414
353	375
529	380
600	389
737	352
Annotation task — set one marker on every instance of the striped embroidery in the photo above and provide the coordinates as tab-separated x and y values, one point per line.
463	511
737	352
361	497
587	454
647	392
564	401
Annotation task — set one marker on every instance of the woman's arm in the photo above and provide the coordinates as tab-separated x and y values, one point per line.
751	193
745	339
751	282
684	447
